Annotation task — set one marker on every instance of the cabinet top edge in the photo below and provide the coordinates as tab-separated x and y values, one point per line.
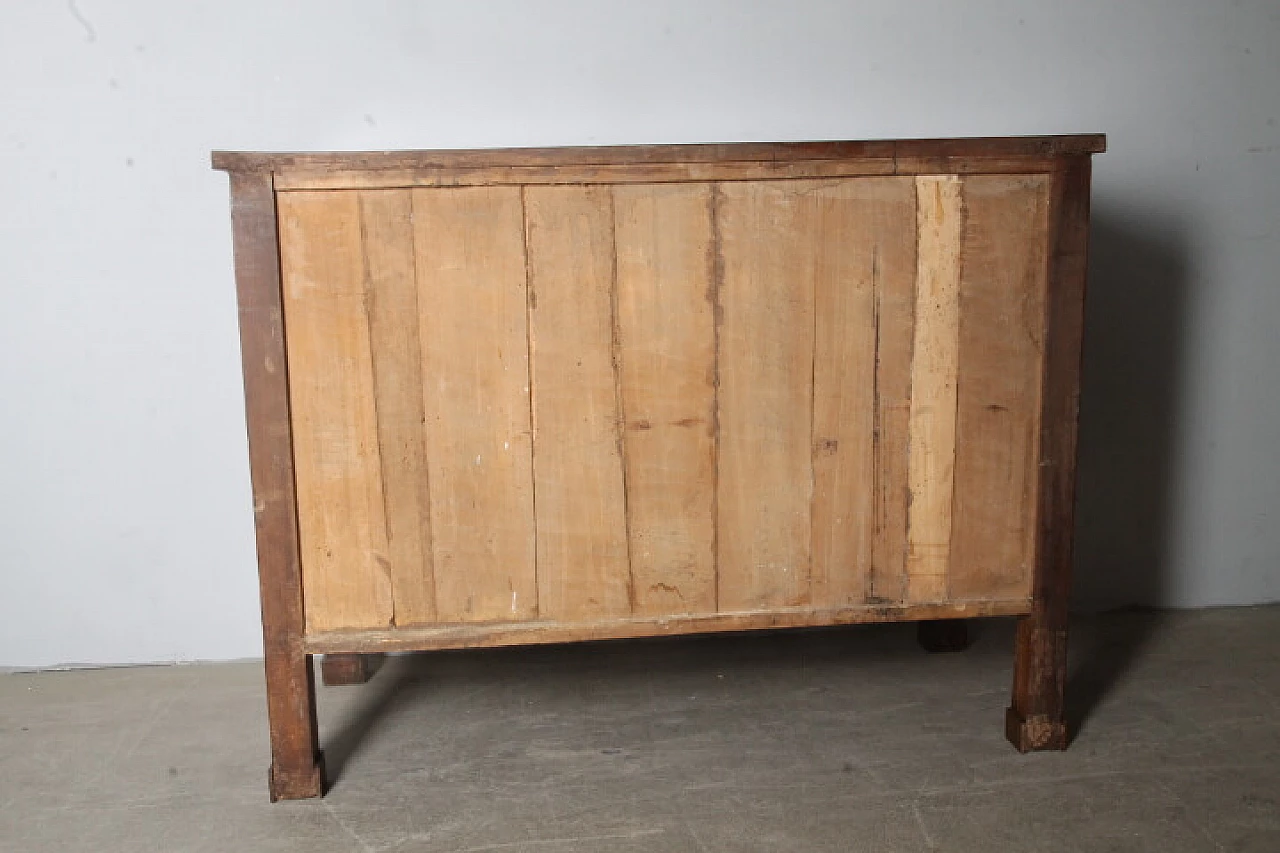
1006	146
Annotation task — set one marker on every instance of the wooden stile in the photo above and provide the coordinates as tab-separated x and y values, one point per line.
297	765
1036	718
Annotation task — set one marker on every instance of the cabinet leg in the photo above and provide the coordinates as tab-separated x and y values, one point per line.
297	766
1035	720
341	669
943	635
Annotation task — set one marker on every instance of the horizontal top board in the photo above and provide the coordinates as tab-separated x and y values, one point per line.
737	152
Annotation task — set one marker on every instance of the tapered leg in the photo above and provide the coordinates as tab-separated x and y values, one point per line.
297	765
337	670
943	635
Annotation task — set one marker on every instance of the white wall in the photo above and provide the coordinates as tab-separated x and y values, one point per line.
125	523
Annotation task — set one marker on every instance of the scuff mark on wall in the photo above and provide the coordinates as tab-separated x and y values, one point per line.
91	35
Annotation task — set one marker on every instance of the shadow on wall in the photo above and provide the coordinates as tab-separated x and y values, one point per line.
1133	348
1135	319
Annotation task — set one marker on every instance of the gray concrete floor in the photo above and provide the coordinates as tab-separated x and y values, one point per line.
832	740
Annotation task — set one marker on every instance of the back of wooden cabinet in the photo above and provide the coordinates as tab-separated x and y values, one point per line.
624	402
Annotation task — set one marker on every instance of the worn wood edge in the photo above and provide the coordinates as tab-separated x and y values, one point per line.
479	635
1037	733
283	784
312	178
1003	146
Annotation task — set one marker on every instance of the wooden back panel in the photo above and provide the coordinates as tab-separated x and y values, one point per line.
603	402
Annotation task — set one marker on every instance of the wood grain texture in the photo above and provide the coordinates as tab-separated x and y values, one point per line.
765	406
548	631
341	519
900	149
583	562
935	363
1001	346
859	235
297	769
666	350
387	237
895	311
469	251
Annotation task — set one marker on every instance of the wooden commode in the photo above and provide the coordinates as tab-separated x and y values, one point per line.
543	395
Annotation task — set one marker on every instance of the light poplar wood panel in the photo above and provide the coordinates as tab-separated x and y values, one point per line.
1001	348
765	400
667	354
387	231
583	566
860	237
934	367
470	262
341	521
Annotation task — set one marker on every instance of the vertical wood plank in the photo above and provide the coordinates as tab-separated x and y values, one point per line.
469	254
765	406
387	231
895	331
861	237
583	566
932	436
297	767
666	337
341	521
998	403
